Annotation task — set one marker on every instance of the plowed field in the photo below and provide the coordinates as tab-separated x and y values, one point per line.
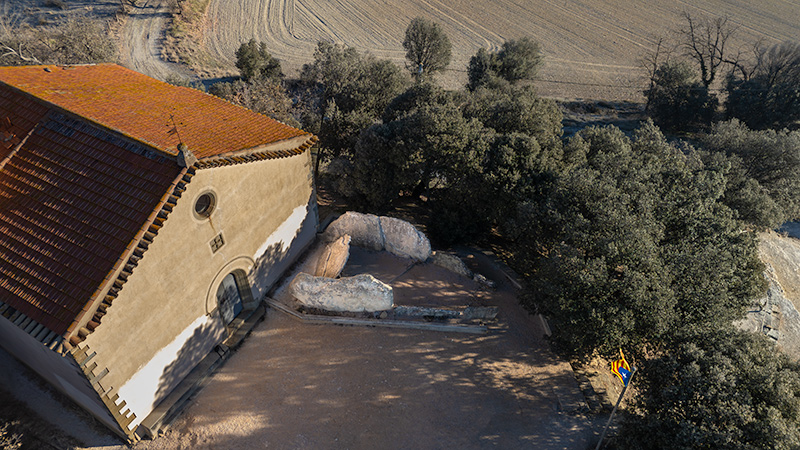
591	46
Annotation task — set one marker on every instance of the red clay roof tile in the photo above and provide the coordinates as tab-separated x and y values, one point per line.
140	107
86	160
69	207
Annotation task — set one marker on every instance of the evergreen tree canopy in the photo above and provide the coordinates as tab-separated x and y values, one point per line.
254	61
516	109
678	101
348	92
764	171
636	243
473	157
714	388
516	60
428	48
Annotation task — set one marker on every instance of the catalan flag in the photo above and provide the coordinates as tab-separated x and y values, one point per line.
621	369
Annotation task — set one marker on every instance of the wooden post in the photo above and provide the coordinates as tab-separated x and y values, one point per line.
622	394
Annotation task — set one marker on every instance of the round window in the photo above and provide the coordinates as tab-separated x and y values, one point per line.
204	205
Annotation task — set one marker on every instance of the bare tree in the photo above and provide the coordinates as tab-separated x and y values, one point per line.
768	93
781	63
705	40
72	42
653	59
746	63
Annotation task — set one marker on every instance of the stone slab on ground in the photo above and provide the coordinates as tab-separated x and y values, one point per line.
451	262
353	294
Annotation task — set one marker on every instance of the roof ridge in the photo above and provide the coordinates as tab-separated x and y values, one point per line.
80	118
17	147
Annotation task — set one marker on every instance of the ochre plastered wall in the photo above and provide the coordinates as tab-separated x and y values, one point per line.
262	210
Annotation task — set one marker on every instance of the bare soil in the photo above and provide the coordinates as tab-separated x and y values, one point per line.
292	385
592	47
142	39
322	386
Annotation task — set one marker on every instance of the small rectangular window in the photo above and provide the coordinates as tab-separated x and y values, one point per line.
217	243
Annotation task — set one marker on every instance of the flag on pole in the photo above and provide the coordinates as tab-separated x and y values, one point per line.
621	369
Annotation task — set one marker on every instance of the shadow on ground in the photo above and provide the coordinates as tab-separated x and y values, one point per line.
295	385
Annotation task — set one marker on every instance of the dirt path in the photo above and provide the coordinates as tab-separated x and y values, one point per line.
141	39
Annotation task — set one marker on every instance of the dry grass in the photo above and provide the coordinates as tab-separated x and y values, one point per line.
184	34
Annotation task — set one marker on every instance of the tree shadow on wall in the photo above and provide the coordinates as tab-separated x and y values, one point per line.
278	257
200	343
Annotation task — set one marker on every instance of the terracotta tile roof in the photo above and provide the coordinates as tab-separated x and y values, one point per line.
140	107
18	115
72	199
89	174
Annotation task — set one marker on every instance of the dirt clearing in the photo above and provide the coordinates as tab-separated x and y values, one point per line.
293	385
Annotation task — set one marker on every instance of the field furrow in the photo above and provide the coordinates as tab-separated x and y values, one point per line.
591	47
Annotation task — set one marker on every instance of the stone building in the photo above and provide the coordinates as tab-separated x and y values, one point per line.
141	225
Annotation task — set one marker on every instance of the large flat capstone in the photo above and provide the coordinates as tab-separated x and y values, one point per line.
354	294
364	230
403	239
381	233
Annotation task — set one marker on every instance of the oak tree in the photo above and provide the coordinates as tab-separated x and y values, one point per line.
428	48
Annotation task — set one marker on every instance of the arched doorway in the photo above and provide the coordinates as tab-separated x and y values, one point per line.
229	298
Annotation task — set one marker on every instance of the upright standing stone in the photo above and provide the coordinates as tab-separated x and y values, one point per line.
333	258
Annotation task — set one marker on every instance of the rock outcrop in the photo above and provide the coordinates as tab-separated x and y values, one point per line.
776	315
354	294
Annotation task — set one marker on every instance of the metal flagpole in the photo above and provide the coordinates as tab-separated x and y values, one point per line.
622	394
